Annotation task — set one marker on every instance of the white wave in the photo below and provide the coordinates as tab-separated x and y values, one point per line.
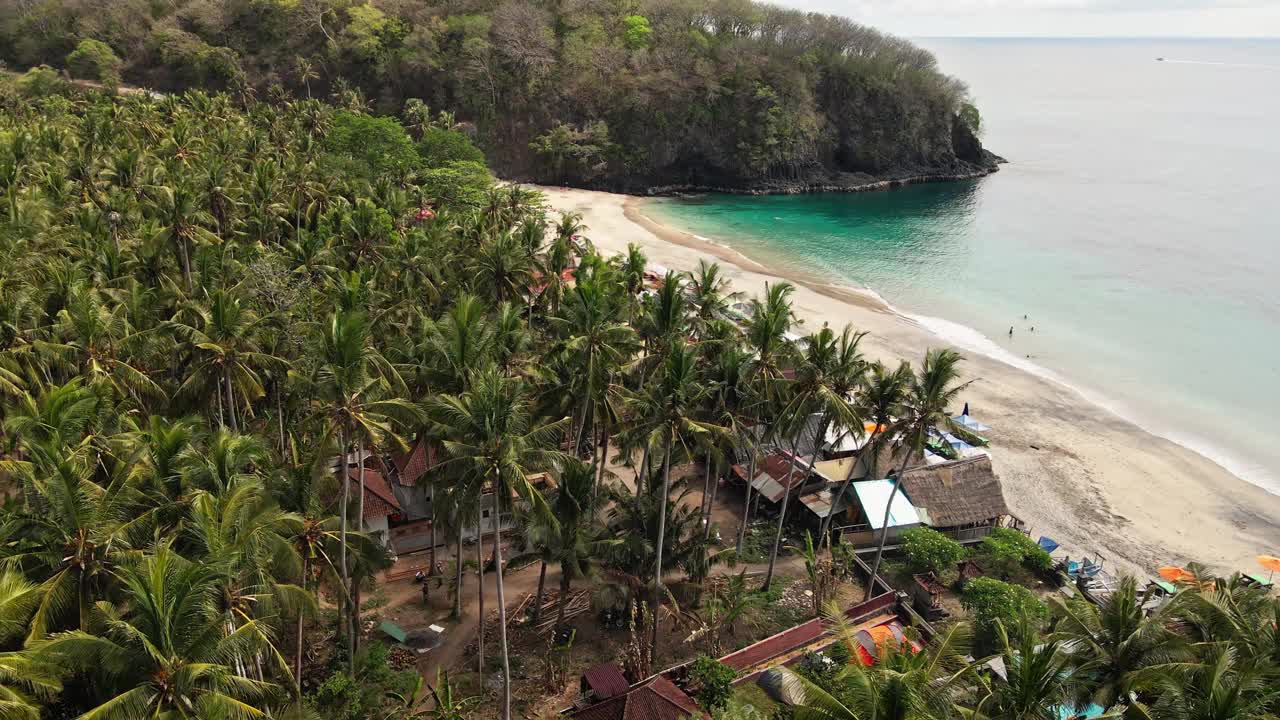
1223	64
967	338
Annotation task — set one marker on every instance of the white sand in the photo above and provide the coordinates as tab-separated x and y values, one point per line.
1093	481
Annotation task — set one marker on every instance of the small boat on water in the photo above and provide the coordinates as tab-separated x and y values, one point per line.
1159	59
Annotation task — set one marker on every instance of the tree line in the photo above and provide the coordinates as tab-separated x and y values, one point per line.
657	93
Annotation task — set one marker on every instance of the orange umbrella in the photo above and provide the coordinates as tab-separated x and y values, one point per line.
1269	562
1175	574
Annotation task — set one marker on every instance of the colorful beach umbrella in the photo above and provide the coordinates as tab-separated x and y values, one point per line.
1269	562
1175	574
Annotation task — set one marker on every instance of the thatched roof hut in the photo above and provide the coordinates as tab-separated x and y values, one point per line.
957	494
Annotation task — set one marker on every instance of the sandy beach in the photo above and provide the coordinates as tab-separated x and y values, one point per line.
1071	469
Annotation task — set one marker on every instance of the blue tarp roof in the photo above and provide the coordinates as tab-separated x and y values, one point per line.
874	497
969	422
1066	712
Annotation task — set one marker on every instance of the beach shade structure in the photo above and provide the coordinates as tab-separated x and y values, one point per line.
1176	574
1047	544
870	642
1270	563
971	424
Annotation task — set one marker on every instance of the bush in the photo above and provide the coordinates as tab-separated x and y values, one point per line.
94	60
991	601
440	147
928	549
1005	551
371	146
713	682
42	81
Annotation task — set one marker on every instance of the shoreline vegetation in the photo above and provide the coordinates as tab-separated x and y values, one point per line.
658	96
1072	469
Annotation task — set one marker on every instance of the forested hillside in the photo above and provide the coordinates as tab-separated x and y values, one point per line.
640	96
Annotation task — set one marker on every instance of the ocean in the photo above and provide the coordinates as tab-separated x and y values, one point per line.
1136	226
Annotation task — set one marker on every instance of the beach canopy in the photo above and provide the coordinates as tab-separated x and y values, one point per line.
1176	574
969	423
1269	562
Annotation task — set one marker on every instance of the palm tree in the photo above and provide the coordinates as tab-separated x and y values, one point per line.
829	371
879	403
167	651
767	337
1116	647
710	294
1223	686
903	684
72	536
493	439
1039	679
568	535
596	340
665	416
222	335
24	680
933	389
348	382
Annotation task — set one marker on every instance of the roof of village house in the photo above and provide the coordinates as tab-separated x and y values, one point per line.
379	501
411	465
606	680
654	699
956	493
774	475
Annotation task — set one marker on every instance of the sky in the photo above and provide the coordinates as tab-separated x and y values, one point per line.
1065	18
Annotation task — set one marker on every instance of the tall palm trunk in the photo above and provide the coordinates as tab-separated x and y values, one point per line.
457	580
480	585
342	550
844	488
565	578
715	487
782	517
537	599
662	536
642	473
884	525
231	398
297	660
280	415
360	474
746	506
603	462
502	604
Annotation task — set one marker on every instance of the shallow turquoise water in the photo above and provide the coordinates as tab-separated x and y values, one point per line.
1136	226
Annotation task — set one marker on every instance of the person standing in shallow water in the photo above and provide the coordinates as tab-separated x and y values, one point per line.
1011	331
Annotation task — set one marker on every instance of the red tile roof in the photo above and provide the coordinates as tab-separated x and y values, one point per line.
606	680
411	466
751	657
654	699
379	501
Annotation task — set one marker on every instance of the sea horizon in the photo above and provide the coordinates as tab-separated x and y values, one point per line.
1154	283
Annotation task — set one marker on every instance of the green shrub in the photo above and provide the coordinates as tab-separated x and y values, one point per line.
713	682
928	549
1005	551
94	60
41	81
991	601
440	147
371	146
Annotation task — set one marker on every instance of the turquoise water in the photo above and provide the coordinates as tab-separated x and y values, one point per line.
1137	225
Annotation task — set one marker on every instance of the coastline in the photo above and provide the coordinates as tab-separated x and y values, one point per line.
1071	468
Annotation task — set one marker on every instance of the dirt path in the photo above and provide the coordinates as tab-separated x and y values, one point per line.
406	608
